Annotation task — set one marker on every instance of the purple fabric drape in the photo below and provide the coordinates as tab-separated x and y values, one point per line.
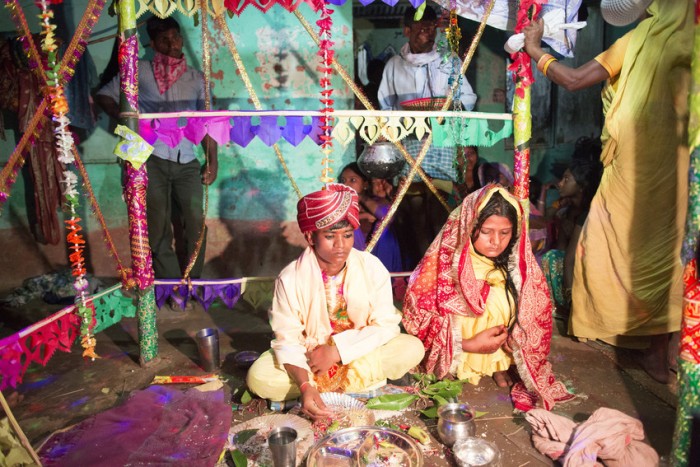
156	426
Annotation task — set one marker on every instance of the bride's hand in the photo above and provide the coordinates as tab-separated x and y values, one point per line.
487	341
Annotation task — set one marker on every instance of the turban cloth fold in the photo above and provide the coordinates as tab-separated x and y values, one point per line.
326	207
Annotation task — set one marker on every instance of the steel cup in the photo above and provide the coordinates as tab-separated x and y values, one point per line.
208	345
455	422
282	442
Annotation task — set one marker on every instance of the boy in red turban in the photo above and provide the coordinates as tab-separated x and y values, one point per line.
335	324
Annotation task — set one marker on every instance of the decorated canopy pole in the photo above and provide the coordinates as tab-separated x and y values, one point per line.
689	359
134	150
522	116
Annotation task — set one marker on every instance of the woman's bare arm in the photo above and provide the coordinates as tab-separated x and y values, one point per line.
571	79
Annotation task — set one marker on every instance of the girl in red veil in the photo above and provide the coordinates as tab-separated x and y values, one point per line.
479	301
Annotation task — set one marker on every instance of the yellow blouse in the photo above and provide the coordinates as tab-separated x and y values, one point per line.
472	366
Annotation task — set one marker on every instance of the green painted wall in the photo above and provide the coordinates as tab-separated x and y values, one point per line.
281	60
252	205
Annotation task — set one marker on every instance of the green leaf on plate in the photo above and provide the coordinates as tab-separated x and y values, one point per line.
244	435
478	414
436	388
246	397
239	459
391	401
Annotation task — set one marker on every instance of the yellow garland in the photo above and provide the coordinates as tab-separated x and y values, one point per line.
469	55
453	33
326	171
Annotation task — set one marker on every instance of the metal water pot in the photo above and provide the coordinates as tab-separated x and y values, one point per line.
381	160
455	422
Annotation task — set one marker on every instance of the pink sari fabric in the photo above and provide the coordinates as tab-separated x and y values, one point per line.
609	437
444	284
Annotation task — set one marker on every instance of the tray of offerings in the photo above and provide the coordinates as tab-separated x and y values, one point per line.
370	446
250	438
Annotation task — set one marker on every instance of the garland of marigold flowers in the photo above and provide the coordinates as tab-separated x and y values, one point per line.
325	23
64	143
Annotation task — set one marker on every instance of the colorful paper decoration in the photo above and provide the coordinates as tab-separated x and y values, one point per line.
132	147
164	8
205	294
39	342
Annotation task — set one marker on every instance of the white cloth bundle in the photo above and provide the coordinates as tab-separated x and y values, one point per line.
554	28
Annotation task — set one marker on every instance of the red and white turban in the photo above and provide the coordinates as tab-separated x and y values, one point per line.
326	207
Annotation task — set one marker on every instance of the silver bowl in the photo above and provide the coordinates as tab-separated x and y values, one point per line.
472	452
381	160
455	422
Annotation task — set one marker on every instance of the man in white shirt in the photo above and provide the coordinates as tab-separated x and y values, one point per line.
420	72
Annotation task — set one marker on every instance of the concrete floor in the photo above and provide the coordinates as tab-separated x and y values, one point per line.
70	389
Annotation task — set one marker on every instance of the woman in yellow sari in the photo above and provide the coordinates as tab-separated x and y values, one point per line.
627	287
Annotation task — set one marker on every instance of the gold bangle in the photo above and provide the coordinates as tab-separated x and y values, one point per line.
543	59
547	65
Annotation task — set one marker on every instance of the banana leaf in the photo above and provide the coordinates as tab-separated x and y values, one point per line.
239	459
391	401
440	386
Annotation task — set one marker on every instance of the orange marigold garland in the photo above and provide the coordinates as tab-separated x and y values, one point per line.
64	143
325	23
